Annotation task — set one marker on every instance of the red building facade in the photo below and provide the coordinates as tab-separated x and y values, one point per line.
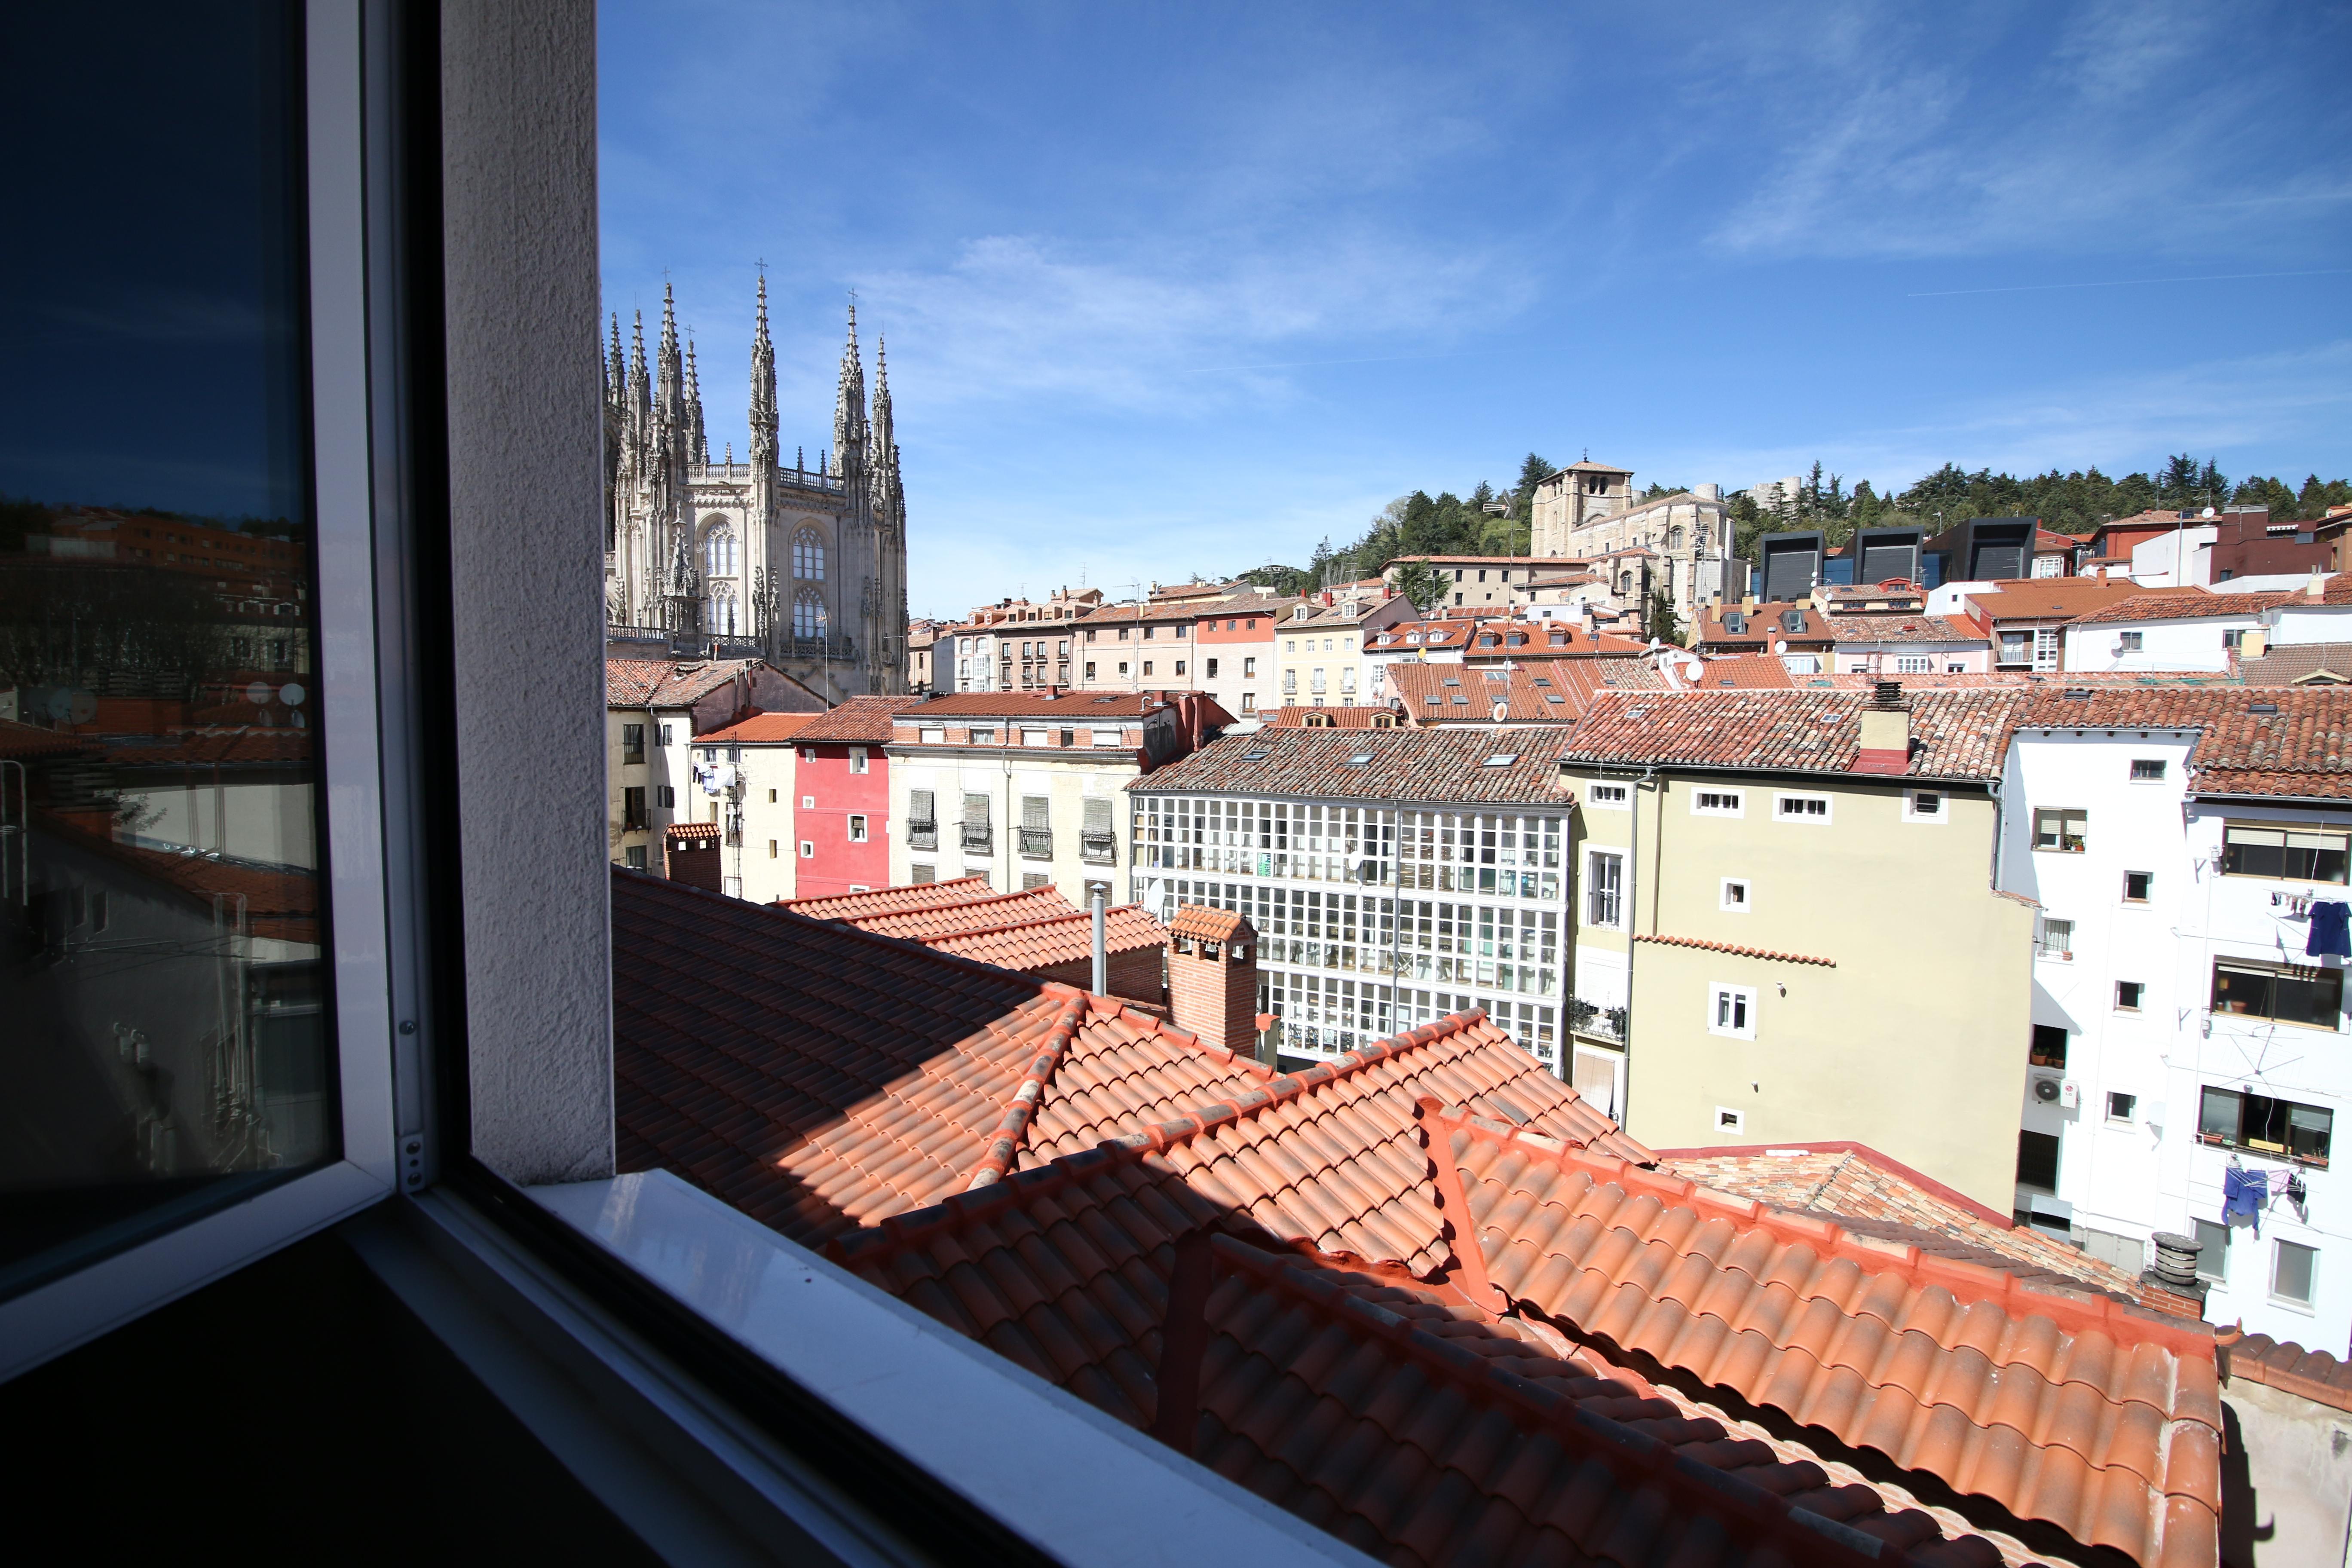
841	819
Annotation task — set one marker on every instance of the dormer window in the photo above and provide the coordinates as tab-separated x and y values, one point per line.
1792	620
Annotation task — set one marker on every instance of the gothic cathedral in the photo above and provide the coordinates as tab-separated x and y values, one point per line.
806	569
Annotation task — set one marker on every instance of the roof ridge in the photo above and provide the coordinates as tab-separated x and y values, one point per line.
1733	947
1021	1108
1809	1537
1968	1283
978	1203
1019	925
968	903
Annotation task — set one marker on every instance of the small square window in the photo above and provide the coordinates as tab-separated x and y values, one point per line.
1735	895
2147	770
808	850
1732	1122
2060	830
856	759
2057	939
2121	1106
930	873
1731	1010
857	829
2128	995
634	857
2135	886
1923	805
2292	1271
771	849
772	797
1030	879
1715	803
808	803
1608	796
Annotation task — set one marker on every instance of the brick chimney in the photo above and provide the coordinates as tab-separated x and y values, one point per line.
1885	730
1213	977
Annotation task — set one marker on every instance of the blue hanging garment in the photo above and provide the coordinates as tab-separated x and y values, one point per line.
2331	930
2243	1193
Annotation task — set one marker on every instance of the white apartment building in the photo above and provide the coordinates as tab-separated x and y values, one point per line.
1320	658
1394	876
2176	842
2182	633
1024	789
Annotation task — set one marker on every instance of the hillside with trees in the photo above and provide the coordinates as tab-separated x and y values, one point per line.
2072	501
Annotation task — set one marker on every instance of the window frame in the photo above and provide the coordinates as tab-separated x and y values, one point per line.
368	802
2080	841
2273	973
2309	1299
1622	801
1743	998
1783	799
1940	815
2284	830
1726	903
1593	886
1736	809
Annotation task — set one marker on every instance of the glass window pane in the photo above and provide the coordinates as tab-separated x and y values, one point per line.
2291	1275
158	690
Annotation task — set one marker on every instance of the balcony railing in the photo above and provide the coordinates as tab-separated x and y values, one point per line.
1037	843
1098	848
978	836
1600	1023
922	836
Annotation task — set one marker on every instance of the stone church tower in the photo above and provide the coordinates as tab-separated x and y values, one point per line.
805	569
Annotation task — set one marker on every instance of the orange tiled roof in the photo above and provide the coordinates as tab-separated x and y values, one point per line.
1292	716
2163	606
667	683
818	1077
1954	735
1466	693
1743	672
976	911
1052	939
1734	947
2092	1416
760	727
1870	1194
861	720
2064	598
887	901
698	835
1205	922
2284	1366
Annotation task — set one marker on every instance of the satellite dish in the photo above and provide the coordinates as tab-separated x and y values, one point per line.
81	707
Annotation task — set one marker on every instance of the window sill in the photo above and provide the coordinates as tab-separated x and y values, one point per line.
980	1425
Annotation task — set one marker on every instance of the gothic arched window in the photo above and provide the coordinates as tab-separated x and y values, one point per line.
1624	583
719	557
719	611
808	610
808	555
1673	539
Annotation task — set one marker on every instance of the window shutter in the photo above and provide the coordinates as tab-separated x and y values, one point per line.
1098	816
1033	808
975	808
919	805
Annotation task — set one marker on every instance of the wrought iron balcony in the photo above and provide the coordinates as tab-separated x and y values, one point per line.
978	836
1098	848
1037	843
922	836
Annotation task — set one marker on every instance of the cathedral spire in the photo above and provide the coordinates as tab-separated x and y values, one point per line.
763	387
616	370
849	408
698	443
640	388
669	390
881	457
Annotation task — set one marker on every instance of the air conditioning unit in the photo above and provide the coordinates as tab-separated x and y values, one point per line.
2046	1089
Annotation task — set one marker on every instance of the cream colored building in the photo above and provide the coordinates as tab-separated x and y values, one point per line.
1137	647
744	779
654	709
1319	659
1577	494
1786	929
1023	788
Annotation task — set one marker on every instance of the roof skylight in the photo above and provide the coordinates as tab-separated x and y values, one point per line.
1502	759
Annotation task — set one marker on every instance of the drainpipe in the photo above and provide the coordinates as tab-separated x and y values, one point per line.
1102	952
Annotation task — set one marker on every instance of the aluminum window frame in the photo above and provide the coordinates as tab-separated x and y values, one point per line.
367	701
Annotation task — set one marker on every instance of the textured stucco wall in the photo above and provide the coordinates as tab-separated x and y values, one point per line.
519	86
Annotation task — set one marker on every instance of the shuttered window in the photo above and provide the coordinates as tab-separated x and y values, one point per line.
1098	816
1033	809
976	809
919	805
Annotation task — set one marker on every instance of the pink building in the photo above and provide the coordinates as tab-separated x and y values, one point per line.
841	819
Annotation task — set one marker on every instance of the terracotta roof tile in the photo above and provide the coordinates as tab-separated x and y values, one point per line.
760	728
1040	942
2174	606
1070	707
2064	598
1762	626
888	900
667	683
989	911
1954	735
1740	672
1205	922
1438	766
2284	1366
1734	947
1467	694
2091	1415
2327	663
1902	628
1357	718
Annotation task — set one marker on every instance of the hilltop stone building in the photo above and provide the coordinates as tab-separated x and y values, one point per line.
803	568
1588	510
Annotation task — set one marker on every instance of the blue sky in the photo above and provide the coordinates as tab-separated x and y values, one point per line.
1187	288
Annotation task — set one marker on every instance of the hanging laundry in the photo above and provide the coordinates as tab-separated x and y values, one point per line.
2243	1193
2331	928
2278	1180
2298	1194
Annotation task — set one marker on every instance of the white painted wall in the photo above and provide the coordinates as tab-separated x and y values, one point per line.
2128	1178
2189	644
2171	560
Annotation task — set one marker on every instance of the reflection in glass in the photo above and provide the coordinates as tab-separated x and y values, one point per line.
165	1043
